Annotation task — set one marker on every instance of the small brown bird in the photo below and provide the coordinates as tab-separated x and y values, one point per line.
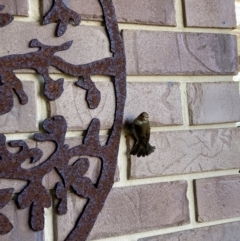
141	132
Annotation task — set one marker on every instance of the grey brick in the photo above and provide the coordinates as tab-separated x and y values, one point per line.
179	152
210	14
162	101
168	53
22	118
132	209
157	12
217	198
223	232
210	103
19	7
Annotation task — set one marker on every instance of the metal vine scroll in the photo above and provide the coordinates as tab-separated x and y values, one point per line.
35	195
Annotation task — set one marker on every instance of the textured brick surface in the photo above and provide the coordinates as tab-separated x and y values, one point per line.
22	118
213	102
19	7
73	106
214	13
90	43
20	220
180	152
131	209
224	232
141	208
151	52
217	198
65	223
159	12
162	101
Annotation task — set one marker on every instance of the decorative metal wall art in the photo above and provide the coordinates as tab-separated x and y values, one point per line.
35	195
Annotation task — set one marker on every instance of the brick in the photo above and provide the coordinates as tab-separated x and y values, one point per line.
20	220
179	152
223	232
19	7
22	118
157	12
213	102
133	209
141	97
211	14
217	198
73	106
90	43
141	208
162	101
65	223
168	53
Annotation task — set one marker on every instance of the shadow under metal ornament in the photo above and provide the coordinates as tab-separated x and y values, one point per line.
35	195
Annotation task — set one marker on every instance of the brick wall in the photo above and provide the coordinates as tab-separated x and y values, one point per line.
181	58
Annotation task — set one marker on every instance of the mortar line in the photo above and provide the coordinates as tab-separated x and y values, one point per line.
179	14
49	224
180	78
177	177
152	78
194	127
185	111
145	78
191	201
144	27
123	160
79	133
34	13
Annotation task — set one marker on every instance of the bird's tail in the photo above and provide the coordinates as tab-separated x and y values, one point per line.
141	149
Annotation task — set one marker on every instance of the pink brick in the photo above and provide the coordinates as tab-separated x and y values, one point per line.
223	232
162	101
217	198
19	7
168	53
157	12
179	152
65	223
90	43
131	210
213	102
20	221
22	118
73	106
211	14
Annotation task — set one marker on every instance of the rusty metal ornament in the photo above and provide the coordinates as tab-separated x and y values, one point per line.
35	195
5	18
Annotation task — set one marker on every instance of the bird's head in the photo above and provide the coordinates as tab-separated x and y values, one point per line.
143	117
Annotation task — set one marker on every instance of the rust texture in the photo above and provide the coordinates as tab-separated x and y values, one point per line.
35	195
5	18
